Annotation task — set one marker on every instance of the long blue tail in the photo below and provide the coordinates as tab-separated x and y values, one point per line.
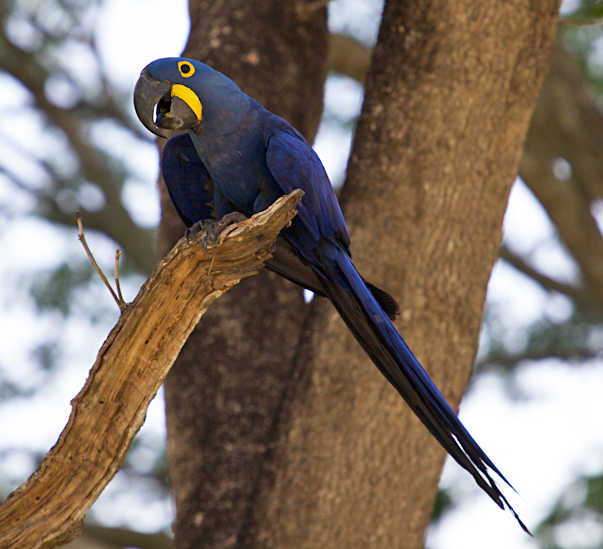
378	336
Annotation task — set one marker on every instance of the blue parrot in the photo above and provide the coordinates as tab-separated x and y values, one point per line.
236	156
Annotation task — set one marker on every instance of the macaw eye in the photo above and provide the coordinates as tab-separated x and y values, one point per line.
186	69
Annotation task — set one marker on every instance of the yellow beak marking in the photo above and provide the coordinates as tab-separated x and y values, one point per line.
189	97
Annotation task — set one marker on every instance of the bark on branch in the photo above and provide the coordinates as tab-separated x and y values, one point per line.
48	509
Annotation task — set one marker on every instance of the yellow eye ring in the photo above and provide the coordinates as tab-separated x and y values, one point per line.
186	69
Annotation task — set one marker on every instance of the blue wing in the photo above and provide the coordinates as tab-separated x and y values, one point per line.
295	165
187	180
196	199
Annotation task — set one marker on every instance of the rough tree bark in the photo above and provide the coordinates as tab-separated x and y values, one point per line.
335	458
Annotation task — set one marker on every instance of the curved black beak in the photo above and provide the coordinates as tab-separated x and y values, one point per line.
161	106
147	95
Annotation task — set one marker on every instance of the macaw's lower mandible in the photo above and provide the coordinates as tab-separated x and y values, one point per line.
238	157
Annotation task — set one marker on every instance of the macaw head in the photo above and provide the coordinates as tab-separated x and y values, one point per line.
183	94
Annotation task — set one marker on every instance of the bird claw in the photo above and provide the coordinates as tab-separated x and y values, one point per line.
207	232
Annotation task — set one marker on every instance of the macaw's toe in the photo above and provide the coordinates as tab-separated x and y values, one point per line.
208	233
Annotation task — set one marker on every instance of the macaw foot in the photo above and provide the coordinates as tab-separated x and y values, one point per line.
206	233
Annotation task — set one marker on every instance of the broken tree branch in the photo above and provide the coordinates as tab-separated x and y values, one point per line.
118	299
48	509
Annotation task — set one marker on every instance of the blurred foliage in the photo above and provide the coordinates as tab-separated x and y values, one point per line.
443	504
574	341
73	157
53	289
576	518
589	12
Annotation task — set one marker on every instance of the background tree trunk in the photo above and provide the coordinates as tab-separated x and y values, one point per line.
281	432
224	392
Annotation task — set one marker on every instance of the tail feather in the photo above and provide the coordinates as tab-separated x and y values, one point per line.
378	336
286	263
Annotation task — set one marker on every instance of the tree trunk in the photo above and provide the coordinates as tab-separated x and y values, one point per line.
224	392
281	432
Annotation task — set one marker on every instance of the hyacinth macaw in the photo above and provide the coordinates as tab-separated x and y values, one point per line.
238	157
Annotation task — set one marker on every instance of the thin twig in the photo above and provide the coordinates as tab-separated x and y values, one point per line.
93	261
117	284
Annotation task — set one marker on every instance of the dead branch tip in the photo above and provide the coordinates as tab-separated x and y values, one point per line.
118	299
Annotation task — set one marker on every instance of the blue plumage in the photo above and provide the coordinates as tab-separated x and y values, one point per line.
192	190
239	156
